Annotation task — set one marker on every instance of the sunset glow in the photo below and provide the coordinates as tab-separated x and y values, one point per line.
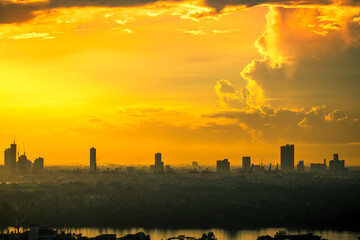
196	80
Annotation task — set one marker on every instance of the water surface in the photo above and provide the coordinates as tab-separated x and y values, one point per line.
221	234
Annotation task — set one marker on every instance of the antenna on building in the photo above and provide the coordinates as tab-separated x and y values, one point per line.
24	147
14	138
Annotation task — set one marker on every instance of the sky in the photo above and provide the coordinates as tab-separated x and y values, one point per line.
197	80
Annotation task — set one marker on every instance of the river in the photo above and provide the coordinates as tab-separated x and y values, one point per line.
221	234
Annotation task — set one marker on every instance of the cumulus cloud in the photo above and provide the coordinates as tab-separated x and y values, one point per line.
300	64
310	58
228	96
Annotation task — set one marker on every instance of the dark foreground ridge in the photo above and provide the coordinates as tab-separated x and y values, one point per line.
281	235
182	201
37	232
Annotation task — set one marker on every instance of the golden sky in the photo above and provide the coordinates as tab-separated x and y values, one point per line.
195	80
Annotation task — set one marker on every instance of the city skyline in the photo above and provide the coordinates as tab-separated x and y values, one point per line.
13	162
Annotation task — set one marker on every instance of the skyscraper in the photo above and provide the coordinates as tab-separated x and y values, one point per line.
159	165
336	164
7	159
24	164
10	158
246	163
92	159
287	158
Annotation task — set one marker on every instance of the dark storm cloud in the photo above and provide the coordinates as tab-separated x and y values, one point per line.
20	12
221	4
12	13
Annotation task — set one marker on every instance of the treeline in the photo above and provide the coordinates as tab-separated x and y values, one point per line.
171	201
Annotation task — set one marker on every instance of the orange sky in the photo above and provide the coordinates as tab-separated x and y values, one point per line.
195	80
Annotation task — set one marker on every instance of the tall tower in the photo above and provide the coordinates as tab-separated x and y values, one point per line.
159	165
13	158
287	158
157	158
246	163
92	159
7	159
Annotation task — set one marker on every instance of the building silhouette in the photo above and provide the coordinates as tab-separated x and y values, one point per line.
195	164
13	158
223	166
246	163
7	159
336	164
24	164
318	167
287	158
10	158
38	165
159	165
92	159
300	166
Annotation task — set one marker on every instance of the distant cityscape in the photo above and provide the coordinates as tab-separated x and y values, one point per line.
16	163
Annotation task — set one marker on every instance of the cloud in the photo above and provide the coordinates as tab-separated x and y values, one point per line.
32	35
229	97
216	32
304	123
125	20
17	12
294	125
303	68
193	32
22	11
221	4
336	115
310	58
122	30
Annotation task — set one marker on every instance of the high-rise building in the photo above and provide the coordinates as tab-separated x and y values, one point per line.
287	158
223	166
336	164
246	163
7	159
10	158
24	164
92	159
159	165
38	165
13	158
